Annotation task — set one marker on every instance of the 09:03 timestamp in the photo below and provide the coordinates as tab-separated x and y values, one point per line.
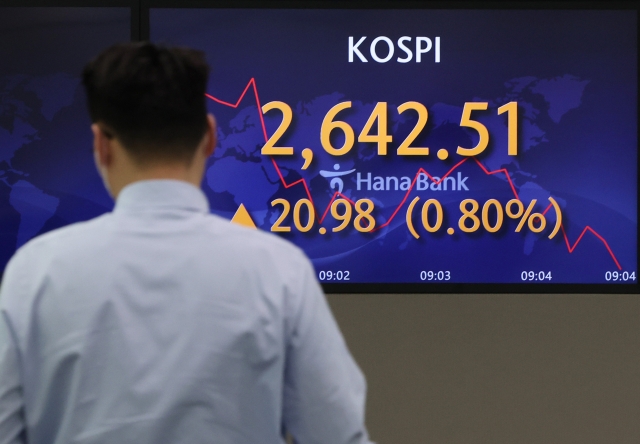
435	275
340	275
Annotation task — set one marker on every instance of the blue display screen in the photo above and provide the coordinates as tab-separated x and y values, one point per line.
427	146
47	174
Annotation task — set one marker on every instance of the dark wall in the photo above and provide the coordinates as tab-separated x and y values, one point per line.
497	368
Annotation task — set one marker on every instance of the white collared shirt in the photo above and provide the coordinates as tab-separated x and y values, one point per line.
161	323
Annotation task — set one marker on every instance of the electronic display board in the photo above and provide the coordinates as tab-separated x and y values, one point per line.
47	173
415	149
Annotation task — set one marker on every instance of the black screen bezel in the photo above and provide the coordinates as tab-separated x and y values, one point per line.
133	5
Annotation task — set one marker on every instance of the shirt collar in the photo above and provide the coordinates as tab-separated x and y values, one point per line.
161	194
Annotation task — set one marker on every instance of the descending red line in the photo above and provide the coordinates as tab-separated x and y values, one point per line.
252	83
501	170
575	244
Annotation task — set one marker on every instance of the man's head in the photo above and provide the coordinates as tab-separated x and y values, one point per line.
147	104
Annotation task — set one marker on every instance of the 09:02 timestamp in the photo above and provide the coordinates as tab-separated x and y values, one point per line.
340	275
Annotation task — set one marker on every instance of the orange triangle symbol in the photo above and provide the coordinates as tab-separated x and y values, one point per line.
242	217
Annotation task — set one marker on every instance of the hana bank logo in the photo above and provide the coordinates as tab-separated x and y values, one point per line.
336	177
421	182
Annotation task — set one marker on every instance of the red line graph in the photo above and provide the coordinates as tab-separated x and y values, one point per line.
252	83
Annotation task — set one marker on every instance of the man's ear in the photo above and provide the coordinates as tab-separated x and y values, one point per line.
102	150
211	135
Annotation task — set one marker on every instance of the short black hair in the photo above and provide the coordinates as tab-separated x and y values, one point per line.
151	98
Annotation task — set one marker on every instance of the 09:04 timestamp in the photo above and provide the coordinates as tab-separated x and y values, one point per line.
620	276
